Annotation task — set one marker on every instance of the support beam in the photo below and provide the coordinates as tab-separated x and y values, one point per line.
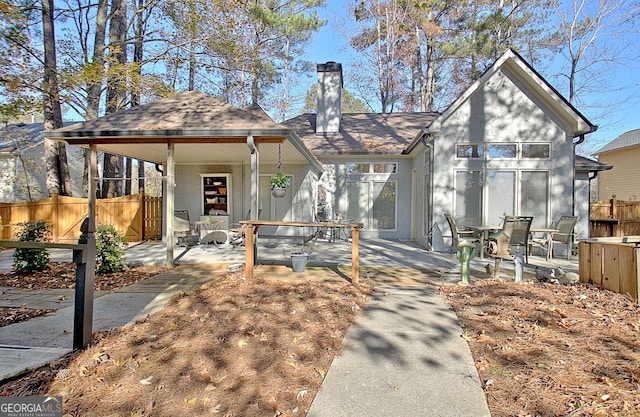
171	184
254	178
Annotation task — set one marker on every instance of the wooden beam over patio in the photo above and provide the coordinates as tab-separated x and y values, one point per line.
251	237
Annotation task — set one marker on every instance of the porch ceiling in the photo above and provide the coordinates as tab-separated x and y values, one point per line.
206	153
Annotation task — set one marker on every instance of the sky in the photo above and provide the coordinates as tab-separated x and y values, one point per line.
330	45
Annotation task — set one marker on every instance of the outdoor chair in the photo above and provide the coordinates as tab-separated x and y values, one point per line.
564	235
456	233
182	230
515	232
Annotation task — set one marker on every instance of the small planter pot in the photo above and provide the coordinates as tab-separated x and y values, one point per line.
299	262
278	192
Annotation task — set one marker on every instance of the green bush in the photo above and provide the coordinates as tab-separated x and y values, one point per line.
110	246
26	260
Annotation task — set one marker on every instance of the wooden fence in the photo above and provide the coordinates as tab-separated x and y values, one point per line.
138	216
614	218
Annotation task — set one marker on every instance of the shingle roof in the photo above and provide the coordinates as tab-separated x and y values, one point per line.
362	132
583	164
190	111
630	138
24	135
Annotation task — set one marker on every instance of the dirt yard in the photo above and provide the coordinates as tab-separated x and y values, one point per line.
262	348
232	348
552	349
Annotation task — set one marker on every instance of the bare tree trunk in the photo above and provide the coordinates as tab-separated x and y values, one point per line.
94	89
138	53
112	169
128	176
58	179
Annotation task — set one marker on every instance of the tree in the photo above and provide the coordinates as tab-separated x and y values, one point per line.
58	177
350	103
593	41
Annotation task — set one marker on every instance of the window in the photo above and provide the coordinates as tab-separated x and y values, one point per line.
358	168
483	197
470	151
372	203
468	209
535	192
503	151
501	195
384	205
384	168
535	150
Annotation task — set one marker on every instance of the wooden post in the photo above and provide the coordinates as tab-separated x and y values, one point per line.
355	257
249	251
55	217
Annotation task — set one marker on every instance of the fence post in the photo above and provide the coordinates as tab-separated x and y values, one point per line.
613	209
55	218
85	260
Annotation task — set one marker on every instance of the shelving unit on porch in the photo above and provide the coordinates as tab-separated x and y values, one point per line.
215	189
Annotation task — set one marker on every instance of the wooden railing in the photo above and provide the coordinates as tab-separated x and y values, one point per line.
138	217
614	218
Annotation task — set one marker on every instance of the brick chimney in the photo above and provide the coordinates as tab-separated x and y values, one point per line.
329	111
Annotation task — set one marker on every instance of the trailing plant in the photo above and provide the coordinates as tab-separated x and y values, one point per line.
280	180
110	246
26	260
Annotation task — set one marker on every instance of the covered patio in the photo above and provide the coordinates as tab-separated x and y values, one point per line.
191	134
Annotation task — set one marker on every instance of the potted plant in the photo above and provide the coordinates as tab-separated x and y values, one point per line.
279	184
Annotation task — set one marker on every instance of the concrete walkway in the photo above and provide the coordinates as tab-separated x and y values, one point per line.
405	357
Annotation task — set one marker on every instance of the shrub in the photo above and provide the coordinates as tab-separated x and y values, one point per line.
26	260
110	246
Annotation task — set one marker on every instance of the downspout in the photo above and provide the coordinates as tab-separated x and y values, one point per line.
581	139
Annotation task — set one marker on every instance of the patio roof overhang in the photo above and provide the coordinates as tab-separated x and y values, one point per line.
189	128
203	130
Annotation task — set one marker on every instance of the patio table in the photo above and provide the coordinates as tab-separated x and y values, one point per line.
207	230
483	231
251	249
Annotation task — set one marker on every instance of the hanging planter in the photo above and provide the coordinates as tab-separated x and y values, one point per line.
279	184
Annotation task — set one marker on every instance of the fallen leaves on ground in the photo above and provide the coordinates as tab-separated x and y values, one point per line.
231	348
11	315
552	350
63	275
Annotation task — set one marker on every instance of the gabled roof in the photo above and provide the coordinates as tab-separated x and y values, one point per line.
536	84
362	133
627	139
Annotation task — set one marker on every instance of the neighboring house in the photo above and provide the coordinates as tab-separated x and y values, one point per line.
506	145
624	154
22	167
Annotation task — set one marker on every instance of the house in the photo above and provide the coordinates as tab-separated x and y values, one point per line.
506	145
624	154
22	168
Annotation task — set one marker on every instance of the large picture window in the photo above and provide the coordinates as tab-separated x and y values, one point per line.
484	197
